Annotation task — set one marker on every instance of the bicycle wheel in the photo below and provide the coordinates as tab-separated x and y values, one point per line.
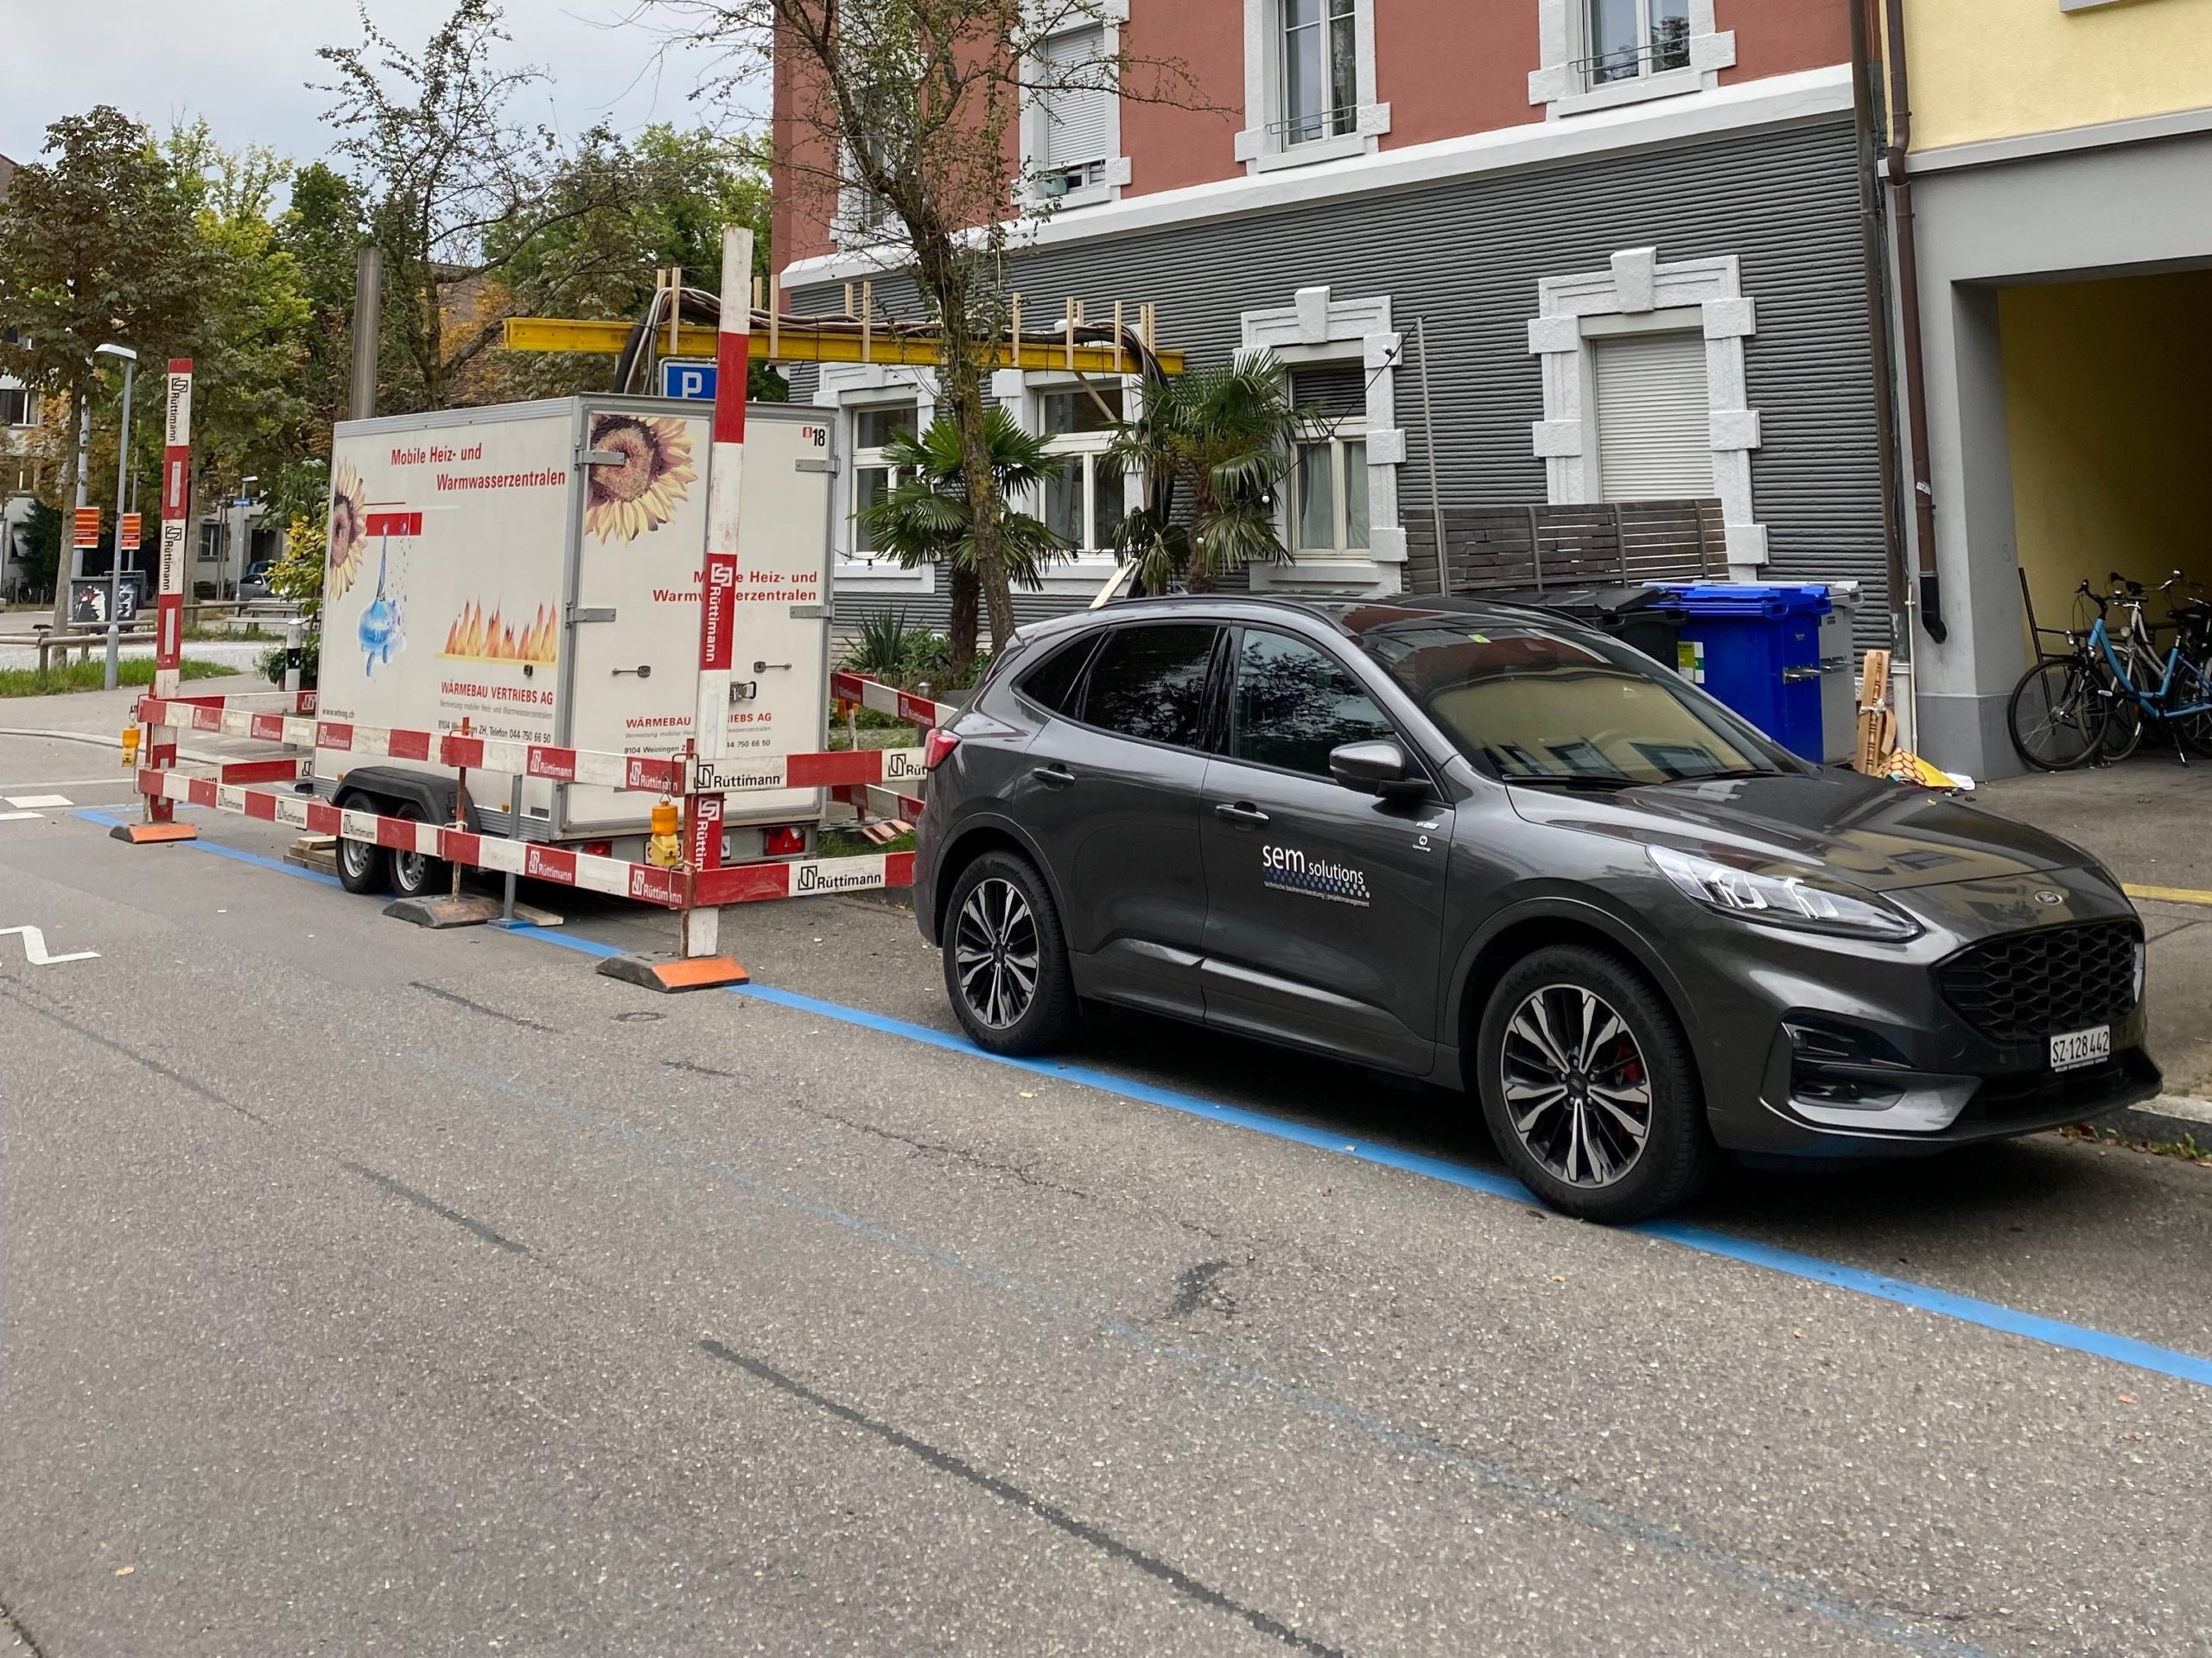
2057	715
2193	685
2123	727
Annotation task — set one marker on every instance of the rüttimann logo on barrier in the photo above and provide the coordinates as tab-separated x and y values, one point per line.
1288	870
813	878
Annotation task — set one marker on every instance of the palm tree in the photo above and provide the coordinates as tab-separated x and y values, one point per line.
924	519
1227	436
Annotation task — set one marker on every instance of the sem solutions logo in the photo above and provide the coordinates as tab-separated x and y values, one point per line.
1288	870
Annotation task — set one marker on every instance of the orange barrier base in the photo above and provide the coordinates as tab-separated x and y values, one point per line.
671	973
152	833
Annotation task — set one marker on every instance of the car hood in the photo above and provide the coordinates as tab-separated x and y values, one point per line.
1880	836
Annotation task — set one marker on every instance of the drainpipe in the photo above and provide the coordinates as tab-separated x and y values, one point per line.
1873	252
1916	389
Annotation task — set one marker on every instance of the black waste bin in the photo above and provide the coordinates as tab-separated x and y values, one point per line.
1644	618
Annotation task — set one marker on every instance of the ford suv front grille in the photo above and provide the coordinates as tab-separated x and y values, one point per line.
2030	984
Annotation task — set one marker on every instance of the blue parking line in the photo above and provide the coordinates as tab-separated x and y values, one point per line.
1963	1308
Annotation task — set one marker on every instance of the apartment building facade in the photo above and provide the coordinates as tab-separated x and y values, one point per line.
1628	232
2060	159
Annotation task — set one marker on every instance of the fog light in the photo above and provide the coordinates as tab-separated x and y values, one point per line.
1840	1065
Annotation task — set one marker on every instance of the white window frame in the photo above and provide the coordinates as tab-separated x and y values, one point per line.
1315	328
1348	429
1639	293
1565	48
1023	392
1259	146
1114	170
30	405
847	388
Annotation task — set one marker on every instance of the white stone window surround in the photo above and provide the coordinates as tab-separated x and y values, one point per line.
1260	145
845	387
1110	15
1022	391
1317	327
1563	40
1639	292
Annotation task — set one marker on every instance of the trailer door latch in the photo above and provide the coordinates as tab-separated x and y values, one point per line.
744	691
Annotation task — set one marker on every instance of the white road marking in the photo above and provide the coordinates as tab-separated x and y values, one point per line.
35	948
10	818
121	778
38	800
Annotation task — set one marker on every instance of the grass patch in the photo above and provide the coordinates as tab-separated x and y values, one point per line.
92	676
2186	1149
848	843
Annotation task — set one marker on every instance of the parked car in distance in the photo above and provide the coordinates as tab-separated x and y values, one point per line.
1489	846
254	585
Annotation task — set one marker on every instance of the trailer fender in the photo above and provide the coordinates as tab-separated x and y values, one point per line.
385	787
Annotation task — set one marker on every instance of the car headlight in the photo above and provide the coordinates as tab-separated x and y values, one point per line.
1782	900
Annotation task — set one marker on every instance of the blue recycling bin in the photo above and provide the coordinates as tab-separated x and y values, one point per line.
1757	649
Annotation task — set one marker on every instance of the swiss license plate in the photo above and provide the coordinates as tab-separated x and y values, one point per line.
2075	1049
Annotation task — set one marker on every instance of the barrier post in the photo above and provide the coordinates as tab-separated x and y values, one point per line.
159	822
699	962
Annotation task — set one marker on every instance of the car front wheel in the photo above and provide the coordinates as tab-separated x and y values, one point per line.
1589	1089
1006	960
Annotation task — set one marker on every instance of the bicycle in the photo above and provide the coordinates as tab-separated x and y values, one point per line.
2091	702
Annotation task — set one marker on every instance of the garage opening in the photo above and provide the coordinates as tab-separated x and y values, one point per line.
2109	422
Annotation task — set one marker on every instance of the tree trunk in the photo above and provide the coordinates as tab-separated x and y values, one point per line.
942	272
66	554
962	589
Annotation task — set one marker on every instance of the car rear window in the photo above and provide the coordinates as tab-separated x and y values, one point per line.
1051	683
1151	683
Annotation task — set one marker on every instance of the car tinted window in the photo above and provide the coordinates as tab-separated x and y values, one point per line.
1151	683
1051	683
1534	702
1293	704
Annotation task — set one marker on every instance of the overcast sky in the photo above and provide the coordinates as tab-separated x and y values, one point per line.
244	64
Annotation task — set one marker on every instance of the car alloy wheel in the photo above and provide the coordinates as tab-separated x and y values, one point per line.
996	955
1577	1090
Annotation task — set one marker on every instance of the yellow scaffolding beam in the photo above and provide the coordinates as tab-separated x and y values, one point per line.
798	343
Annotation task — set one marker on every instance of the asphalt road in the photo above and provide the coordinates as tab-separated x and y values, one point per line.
372	1290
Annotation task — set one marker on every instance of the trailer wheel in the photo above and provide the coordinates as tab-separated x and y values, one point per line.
363	869
416	874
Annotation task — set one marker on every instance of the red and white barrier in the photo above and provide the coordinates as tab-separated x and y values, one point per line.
870	693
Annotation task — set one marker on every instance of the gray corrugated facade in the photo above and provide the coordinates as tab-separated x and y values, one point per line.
1467	256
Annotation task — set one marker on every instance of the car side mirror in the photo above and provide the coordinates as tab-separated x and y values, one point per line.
1379	767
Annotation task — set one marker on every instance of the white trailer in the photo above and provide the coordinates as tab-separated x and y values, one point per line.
532	569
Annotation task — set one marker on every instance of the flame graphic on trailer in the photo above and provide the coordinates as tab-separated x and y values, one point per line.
381	629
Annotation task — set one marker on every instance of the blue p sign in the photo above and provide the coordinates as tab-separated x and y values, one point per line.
691	380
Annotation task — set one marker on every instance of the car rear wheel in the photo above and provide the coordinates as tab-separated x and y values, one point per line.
1588	1088
1006	960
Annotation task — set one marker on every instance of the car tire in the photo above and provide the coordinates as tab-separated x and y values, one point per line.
1622	1062
416	874
363	869
1006	958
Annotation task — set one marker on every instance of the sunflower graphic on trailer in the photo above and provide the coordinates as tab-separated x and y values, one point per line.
654	477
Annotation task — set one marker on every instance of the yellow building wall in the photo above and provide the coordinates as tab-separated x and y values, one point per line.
1999	68
2108	411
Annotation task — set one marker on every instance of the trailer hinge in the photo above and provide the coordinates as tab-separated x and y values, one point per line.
602	458
590	614
824	463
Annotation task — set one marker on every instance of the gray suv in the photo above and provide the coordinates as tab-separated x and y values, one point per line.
1491	847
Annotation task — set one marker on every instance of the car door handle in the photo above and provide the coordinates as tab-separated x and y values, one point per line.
1242	811
1053	777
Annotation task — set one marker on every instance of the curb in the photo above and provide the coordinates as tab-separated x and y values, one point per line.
2167	1120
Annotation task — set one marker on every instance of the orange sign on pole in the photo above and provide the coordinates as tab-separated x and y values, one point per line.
88	527
129	533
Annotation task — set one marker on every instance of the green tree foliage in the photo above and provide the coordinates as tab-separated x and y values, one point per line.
929	517
1224	437
98	243
656	200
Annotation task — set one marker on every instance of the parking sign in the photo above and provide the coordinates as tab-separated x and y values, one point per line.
688	378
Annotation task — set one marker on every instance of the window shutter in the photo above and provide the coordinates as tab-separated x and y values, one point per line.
1332	390
1654	426
1076	111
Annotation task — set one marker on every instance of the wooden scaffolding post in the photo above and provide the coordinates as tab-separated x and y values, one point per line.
775	307
1014	332
868	322
674	310
1075	315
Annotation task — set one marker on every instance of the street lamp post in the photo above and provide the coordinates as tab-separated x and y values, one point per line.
130	360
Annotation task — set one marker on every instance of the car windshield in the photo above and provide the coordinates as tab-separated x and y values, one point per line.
1533	703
